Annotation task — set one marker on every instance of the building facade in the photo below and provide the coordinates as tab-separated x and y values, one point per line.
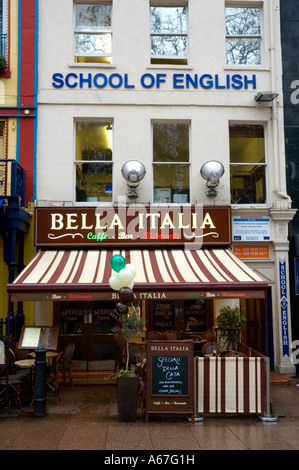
154	105
290	54
18	114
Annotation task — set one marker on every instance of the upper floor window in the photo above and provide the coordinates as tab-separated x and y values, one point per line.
3	35
168	35
247	164
93	161
93	32
243	36
171	162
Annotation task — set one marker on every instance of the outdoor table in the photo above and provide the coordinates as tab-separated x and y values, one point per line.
50	355
25	363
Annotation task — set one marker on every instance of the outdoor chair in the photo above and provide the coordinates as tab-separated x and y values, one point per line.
211	348
52	382
64	363
235	354
10	383
209	335
171	334
153	335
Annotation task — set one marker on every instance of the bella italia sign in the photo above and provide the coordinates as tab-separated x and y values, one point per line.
179	81
132	225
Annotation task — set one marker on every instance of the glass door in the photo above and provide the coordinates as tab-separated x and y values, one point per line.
88	325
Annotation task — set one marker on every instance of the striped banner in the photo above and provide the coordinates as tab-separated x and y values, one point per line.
231	384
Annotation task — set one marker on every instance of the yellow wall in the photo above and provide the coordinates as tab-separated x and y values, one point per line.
8	97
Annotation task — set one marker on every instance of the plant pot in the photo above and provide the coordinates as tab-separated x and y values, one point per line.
127	398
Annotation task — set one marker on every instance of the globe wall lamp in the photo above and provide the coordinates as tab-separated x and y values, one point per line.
212	171
133	172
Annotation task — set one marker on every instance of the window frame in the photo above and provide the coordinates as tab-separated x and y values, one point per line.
3	137
162	59
107	55
6	33
185	163
256	164
246	36
107	121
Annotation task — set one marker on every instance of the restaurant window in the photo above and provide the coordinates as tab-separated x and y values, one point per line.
243	36
93	32
169	35
103	317
72	318
195	316
171	164
3	28
93	161
163	315
247	164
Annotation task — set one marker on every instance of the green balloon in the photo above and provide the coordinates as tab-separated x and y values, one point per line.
117	263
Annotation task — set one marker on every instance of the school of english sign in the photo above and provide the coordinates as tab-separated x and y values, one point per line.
177	81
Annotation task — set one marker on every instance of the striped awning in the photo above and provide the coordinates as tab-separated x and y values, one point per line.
161	274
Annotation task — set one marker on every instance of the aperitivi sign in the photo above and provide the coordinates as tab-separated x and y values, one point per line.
132	226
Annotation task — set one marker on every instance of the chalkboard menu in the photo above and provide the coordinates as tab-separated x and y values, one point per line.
33	336
169	377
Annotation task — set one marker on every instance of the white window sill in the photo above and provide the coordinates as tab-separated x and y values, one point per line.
258	68
170	66
91	65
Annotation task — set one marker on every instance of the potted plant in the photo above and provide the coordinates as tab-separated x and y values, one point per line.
127	382
229	323
3	63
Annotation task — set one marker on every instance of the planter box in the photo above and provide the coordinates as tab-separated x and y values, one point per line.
127	398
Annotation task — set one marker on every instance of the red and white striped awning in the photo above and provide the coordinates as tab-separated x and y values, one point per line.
166	273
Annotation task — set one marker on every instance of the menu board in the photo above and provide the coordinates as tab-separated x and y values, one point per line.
169	379
34	336
171	375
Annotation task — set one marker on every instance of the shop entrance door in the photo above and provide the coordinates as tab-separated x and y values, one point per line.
88	325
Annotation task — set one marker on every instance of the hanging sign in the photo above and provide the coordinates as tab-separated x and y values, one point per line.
284	307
